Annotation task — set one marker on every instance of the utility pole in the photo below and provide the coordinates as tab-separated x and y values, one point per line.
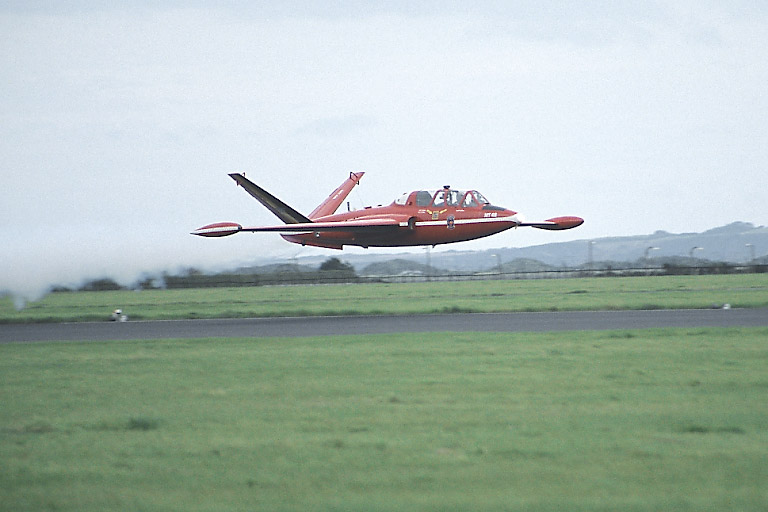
648	249
751	251
429	263
498	264
645	255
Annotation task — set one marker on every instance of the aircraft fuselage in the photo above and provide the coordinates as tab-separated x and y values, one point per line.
431	224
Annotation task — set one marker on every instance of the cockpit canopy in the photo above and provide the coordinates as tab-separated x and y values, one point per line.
444	197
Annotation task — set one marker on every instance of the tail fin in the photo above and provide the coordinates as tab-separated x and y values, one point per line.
330	205
284	212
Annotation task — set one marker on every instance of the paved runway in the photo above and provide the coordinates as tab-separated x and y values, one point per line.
330	326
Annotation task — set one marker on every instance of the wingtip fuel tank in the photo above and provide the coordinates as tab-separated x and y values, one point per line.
218	229
561	223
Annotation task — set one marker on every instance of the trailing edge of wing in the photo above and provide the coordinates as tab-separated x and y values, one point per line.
352	226
378	225
284	212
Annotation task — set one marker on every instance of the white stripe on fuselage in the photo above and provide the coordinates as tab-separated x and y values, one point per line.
484	220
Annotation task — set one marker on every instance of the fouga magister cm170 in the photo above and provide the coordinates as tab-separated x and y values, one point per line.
416	218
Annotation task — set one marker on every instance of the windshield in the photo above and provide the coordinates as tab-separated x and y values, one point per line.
480	197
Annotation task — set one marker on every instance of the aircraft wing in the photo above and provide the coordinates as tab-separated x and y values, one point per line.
555	224
354	226
377	225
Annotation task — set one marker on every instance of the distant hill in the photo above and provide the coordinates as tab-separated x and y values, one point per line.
276	268
722	244
726	243
398	266
525	265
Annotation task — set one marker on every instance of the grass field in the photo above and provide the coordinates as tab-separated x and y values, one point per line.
655	292
672	419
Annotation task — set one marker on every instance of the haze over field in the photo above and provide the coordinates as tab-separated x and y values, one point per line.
119	124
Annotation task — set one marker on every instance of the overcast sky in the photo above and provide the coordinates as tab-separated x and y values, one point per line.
120	124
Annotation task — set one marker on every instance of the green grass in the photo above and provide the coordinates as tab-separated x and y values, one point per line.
668	419
657	292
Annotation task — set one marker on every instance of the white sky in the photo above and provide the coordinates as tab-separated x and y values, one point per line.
120	124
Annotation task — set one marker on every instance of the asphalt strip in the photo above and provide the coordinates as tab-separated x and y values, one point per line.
360	325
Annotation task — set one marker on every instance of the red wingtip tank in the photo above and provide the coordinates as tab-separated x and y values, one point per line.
564	223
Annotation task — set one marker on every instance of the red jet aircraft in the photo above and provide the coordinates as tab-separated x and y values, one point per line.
416	218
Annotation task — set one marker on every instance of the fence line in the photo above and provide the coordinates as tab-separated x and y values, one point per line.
199	280
330	277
